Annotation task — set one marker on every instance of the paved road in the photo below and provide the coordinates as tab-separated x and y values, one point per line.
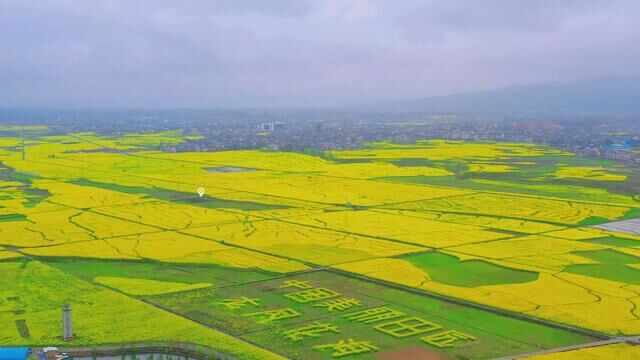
141	350
632	340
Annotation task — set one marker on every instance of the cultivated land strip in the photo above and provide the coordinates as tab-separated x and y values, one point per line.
161	229
314	267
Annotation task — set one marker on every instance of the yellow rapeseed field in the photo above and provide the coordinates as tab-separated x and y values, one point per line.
491	222
490	168
165	215
146	286
447	149
120	198
169	247
520	207
533	245
402	227
5	255
307	244
588	173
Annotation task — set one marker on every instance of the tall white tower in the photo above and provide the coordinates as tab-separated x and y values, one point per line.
67	330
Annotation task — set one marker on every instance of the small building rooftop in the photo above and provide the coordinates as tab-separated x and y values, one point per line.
13	353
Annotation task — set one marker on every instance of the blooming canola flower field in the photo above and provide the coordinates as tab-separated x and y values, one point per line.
112	222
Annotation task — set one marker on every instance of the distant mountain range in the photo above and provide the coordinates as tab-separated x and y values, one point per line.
610	95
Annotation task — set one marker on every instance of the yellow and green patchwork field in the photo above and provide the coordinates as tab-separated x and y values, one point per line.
452	249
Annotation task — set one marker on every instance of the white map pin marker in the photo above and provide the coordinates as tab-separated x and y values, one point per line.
201	191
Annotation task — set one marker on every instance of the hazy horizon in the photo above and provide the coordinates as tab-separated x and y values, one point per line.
300	53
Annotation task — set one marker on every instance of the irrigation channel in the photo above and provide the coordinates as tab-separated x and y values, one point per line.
146	351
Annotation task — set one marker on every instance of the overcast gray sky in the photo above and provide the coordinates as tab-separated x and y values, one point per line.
235	53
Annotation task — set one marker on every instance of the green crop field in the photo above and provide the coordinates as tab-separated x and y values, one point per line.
300	313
